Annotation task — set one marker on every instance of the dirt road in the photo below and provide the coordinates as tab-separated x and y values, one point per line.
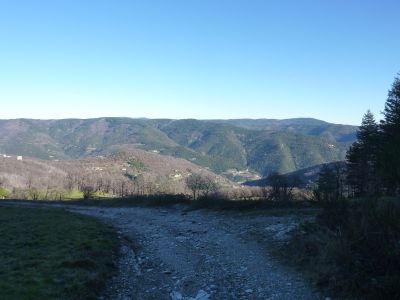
170	253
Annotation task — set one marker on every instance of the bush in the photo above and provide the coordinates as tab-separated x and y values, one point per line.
354	248
4	193
334	213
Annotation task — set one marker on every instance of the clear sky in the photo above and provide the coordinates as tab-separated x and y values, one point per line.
330	60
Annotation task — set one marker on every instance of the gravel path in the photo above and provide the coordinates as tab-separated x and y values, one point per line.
199	255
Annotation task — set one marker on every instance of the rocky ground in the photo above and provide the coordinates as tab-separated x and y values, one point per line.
172	253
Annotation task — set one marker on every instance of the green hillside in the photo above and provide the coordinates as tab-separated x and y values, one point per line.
286	152
260	145
221	144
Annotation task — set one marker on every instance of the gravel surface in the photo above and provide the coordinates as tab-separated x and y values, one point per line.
170	253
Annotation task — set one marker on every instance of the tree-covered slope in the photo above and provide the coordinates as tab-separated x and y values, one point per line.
259	145
221	143
285	152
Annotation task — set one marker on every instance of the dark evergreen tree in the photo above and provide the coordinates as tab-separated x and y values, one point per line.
362	158
330	184
390	151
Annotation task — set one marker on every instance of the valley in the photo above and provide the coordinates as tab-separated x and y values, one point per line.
199	150
242	149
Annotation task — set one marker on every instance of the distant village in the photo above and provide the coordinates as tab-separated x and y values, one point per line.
18	157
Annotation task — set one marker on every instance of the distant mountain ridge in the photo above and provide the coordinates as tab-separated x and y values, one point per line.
260	145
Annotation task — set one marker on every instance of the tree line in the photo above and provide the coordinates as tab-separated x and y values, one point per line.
372	165
353	246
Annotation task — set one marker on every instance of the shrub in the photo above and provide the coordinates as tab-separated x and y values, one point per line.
4	193
354	248
88	192
334	213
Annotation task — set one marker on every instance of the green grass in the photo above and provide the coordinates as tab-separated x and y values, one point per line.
73	195
4	193
53	254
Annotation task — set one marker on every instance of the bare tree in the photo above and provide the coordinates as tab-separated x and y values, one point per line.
88	191
281	187
198	183
86	186
70	181
34	194
194	183
209	186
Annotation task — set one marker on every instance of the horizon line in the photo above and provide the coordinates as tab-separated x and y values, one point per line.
174	119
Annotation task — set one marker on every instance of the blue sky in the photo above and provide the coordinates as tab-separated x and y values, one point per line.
330	60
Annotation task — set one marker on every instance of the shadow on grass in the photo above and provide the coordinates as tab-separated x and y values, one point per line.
54	254
165	200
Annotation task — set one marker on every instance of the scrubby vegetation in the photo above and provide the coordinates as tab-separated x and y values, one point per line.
4	193
52	254
122	174
353	247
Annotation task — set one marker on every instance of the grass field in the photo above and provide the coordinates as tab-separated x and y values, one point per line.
53	254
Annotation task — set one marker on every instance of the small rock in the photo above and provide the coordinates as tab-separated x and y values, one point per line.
201	295
249	291
181	238
176	295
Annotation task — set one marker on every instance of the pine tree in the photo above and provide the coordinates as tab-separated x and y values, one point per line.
362	158
390	153
330	183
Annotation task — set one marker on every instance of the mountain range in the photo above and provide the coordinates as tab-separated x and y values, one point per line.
228	147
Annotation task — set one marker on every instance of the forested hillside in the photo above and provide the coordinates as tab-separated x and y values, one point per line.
263	146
